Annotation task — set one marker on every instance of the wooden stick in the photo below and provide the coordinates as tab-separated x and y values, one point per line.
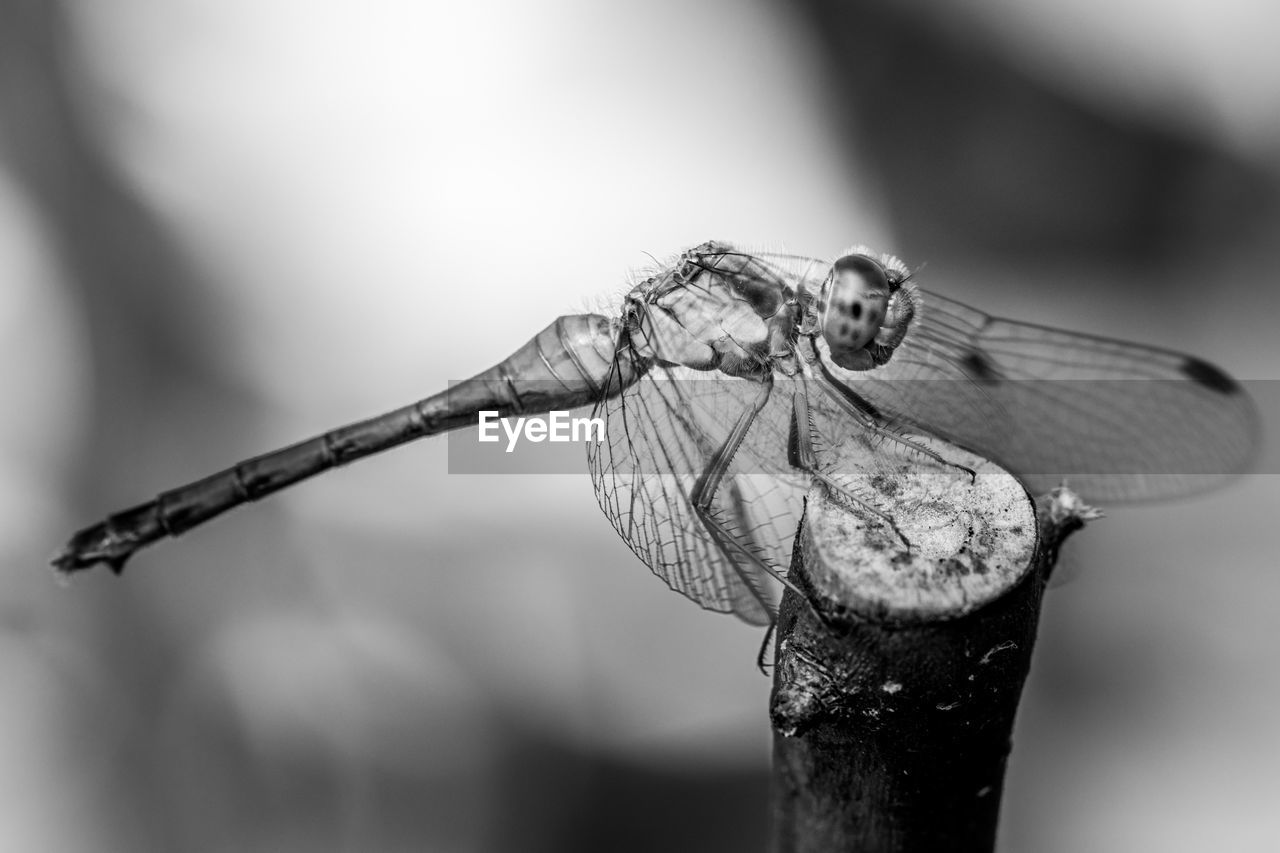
893	710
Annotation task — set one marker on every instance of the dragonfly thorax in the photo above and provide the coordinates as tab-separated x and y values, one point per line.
864	311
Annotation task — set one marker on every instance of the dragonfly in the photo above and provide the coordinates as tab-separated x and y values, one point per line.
727	375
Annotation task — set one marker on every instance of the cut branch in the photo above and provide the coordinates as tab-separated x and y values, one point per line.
897	683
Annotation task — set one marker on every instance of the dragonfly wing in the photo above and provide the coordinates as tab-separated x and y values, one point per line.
1119	421
660	434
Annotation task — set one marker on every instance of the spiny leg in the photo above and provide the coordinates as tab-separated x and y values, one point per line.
805	457
735	550
740	556
742	521
703	497
873	424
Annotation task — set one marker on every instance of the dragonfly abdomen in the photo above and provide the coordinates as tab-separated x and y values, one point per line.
568	364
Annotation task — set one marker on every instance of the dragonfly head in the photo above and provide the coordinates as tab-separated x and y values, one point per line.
863	309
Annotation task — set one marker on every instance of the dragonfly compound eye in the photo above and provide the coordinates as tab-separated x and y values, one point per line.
857	300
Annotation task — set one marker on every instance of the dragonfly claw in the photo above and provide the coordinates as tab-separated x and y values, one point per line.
761	663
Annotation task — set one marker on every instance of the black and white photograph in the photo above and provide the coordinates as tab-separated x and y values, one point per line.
559	427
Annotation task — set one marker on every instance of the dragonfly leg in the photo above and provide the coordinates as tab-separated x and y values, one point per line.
745	561
874	424
764	648
805	457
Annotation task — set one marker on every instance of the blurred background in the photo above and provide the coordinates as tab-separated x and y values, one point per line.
226	226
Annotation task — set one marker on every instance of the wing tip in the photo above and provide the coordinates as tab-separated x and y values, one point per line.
1210	376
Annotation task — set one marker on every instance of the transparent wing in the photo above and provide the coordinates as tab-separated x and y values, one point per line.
660	433
1118	421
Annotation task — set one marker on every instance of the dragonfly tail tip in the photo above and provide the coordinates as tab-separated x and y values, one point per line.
73	558
64	564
